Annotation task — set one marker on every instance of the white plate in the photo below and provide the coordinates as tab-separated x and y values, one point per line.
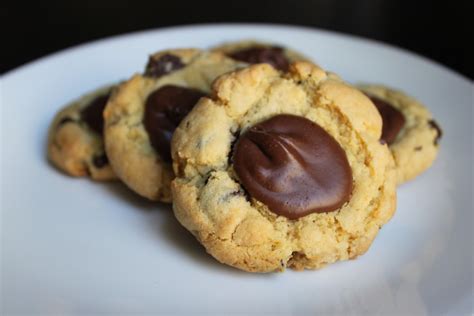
72	246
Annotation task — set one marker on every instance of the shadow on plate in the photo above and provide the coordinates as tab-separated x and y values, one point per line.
183	240
138	202
165	226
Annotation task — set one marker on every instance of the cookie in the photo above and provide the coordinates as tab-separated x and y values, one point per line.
254	52
278	170
409	129
141	116
75	143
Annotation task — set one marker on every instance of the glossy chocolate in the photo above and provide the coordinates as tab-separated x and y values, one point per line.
392	119
255	55
293	166
92	114
163	65
164	110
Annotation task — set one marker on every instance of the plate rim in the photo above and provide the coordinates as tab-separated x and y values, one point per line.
197	27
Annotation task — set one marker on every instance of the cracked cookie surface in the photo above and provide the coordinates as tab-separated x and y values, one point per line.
239	230
75	142
417	144
132	152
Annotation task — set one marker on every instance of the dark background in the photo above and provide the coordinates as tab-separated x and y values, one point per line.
439	30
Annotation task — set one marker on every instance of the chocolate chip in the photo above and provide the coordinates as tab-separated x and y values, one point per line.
293	166
226	197
274	56
92	114
163	65
164	110
418	148
65	120
100	161
392	119
209	176
439	131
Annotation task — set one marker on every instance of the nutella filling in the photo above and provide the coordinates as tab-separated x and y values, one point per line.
164	110
392	119
162	65
256	55
92	113
293	166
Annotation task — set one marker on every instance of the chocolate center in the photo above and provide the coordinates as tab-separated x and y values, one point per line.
162	65
392	119
92	113
293	166
257	55
164	110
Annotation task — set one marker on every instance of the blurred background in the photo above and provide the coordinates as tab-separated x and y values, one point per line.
435	29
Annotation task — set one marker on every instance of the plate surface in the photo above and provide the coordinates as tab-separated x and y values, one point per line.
72	246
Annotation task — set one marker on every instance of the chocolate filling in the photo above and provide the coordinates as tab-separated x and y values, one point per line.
256	55
293	166
164	110
162	65
392	119
92	114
